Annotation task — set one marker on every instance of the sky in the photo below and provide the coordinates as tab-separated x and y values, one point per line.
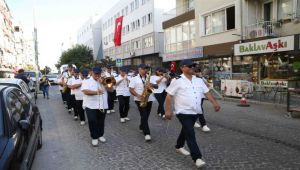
57	22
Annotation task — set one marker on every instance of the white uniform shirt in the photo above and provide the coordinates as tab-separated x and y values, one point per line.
187	95
122	89
70	82
138	85
78	93
94	101
161	86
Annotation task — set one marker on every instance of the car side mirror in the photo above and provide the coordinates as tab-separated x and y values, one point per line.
24	124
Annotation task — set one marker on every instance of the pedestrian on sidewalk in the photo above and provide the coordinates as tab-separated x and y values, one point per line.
160	93
75	86
137	86
123	94
202	120
187	92
45	84
95	103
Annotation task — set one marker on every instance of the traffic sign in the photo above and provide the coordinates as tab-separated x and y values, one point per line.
119	62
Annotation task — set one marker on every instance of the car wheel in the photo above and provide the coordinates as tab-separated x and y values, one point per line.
40	140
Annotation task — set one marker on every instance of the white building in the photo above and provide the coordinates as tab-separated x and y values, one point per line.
90	34
142	33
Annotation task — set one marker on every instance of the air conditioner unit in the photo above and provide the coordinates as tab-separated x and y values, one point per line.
255	33
132	53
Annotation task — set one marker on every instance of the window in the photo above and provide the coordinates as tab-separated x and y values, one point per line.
144	20
298	9
133	26
127	29
179	33
126	10
137	4
285	9
149	18
132	6
143	2
220	21
148	42
191	4
185	31
230	15
137	24
123	31
122	12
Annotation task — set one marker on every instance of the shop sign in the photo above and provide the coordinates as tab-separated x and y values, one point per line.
184	54
274	83
119	62
265	46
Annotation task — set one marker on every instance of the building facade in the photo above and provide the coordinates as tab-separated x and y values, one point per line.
224	37
142	33
90	34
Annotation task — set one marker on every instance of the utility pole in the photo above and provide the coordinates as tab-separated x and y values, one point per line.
37	71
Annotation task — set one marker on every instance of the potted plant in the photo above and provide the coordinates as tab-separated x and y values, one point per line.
296	66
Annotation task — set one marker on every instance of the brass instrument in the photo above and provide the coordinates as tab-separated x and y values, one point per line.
108	81
147	92
65	86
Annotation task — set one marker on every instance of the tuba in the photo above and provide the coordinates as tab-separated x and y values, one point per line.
147	92
108	81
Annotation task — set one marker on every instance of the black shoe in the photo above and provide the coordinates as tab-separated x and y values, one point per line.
48	98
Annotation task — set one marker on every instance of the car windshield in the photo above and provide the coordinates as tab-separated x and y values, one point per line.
51	76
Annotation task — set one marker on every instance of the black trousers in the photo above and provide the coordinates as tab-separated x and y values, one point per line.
161	97
79	110
73	103
144	113
68	98
96	120
201	116
188	134
63	96
123	105
110	100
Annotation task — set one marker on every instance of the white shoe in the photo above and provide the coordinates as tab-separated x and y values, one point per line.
75	117
126	118
102	139
163	116
112	111
95	142
183	151
108	111
148	138
82	123
205	129
197	125
122	120
70	110
200	163
159	115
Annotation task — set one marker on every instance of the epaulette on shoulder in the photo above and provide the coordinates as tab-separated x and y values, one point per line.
178	77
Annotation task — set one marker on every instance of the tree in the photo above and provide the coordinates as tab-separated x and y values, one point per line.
80	55
46	70
107	61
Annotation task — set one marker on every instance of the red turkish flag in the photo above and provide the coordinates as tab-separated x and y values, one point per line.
173	66
118	31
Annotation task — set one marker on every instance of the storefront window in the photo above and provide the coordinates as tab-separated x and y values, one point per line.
280	67
179	34
245	68
185	32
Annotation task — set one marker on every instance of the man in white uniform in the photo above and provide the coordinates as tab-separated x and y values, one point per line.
95	103
137	85
111	95
186	92
123	94
72	99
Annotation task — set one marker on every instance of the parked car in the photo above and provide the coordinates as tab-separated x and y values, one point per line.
32	75
18	83
20	129
53	78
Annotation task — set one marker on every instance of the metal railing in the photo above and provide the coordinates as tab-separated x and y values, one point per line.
262	29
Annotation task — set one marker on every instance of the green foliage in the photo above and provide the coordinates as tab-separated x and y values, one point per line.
80	55
107	61
296	65
46	70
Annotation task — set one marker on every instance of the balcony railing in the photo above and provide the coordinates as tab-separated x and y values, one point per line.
179	10
262	29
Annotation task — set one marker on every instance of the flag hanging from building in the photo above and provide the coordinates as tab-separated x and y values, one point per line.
173	66
118	31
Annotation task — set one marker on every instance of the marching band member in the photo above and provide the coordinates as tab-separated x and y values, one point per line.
95	103
138	85
111	95
72	99
160	93
123	94
76	87
67	75
186	92
202	120
60	87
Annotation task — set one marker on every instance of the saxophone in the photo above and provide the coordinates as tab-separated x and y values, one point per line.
65	87
147	92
